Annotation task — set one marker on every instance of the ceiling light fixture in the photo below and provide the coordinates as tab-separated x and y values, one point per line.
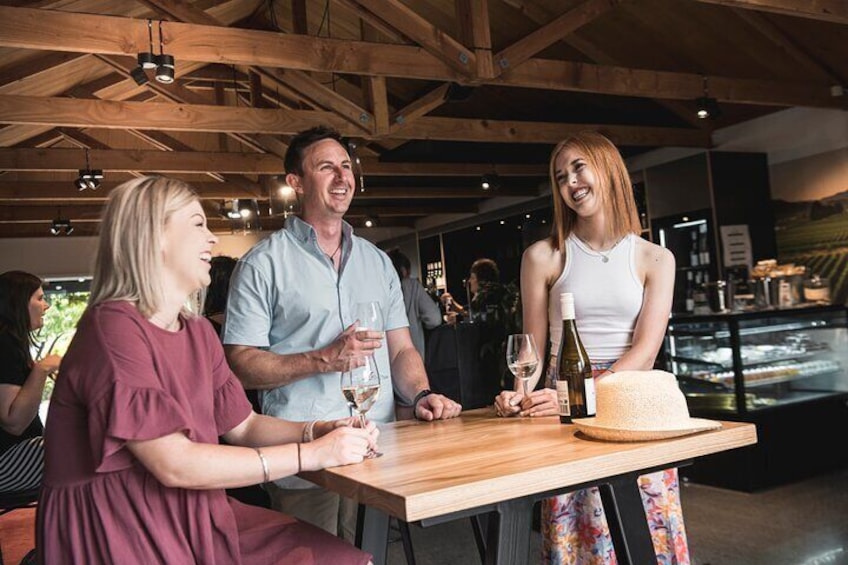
60	225
147	60
164	62
88	178
490	181
370	222
707	107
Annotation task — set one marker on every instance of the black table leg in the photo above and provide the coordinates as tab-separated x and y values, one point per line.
627	522
509	532
372	533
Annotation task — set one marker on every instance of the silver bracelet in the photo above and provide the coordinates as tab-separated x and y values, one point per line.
308	432
264	461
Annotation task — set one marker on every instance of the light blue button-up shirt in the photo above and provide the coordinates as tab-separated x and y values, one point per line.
286	297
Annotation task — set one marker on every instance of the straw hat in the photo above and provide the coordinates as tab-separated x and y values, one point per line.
639	406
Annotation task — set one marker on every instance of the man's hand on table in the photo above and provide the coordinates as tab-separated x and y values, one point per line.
539	403
436	407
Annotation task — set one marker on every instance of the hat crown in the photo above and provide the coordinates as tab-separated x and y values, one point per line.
640	400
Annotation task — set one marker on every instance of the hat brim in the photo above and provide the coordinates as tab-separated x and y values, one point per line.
692	426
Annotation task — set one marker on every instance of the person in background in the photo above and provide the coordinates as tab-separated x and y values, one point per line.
421	311
289	330
485	289
622	288
215	303
22	380
134	472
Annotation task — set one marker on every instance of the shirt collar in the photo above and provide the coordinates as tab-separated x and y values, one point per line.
305	232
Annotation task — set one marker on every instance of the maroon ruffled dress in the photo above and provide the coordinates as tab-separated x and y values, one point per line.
123	379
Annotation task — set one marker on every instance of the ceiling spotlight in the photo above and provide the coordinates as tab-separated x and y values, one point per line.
490	181
147	60
246	207
229	209
707	107
139	76
61	226
88	178
164	62
370	223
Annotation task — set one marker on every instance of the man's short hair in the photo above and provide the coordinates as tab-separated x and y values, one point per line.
400	261
486	270
293	161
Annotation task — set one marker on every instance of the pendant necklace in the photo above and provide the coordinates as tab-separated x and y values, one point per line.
332	256
604	255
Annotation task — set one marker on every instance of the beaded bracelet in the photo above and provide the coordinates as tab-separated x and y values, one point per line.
264	461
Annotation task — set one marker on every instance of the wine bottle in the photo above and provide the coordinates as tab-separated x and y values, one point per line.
574	382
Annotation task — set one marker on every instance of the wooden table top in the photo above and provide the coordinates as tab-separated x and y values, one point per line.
434	468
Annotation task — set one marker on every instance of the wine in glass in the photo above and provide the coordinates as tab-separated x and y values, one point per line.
361	387
522	358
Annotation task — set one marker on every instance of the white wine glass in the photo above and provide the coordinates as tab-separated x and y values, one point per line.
522	358
361	387
369	316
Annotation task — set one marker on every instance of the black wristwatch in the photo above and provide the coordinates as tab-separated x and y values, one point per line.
417	398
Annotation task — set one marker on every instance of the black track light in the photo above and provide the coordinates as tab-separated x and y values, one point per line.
139	76
60	226
146	60
706	106
164	62
88	178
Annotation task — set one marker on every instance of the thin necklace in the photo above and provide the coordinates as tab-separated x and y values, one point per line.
174	325
332	256
604	255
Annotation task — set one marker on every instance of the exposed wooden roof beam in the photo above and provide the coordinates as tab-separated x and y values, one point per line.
179	158
183	117
835	11
786	44
432	39
134	160
379	104
420	107
474	29
573	19
38	29
33	66
51	191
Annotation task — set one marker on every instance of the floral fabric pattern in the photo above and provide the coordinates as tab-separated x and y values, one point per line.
575	530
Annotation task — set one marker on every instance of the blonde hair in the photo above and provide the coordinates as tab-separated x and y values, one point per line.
614	188
128	264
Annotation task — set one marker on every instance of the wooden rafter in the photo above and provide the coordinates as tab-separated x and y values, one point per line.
204	118
835	11
472	18
37	29
432	39
419	107
573	19
51	191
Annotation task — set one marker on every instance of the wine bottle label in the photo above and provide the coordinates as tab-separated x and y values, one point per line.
590	397
562	398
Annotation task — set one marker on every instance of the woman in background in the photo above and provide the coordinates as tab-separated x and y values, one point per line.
22	380
134	472
622	288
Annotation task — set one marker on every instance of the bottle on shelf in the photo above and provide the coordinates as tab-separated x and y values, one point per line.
575	385
694	253
690	293
703	245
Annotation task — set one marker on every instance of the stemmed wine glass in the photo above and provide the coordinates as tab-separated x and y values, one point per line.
522	358
361	387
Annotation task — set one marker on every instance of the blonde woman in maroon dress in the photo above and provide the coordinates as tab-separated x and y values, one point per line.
134	472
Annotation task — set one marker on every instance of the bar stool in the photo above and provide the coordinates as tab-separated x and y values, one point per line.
10	501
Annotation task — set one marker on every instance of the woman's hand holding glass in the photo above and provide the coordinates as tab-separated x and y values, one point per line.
342	442
522	358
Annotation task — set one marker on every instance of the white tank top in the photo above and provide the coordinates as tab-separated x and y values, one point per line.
607	297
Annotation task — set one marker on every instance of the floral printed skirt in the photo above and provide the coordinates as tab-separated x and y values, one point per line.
575	531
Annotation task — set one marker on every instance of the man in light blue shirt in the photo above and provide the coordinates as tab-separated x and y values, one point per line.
289	330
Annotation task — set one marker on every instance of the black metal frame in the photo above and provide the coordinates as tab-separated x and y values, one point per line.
507	524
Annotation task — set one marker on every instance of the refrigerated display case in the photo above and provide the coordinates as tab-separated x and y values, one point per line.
785	370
